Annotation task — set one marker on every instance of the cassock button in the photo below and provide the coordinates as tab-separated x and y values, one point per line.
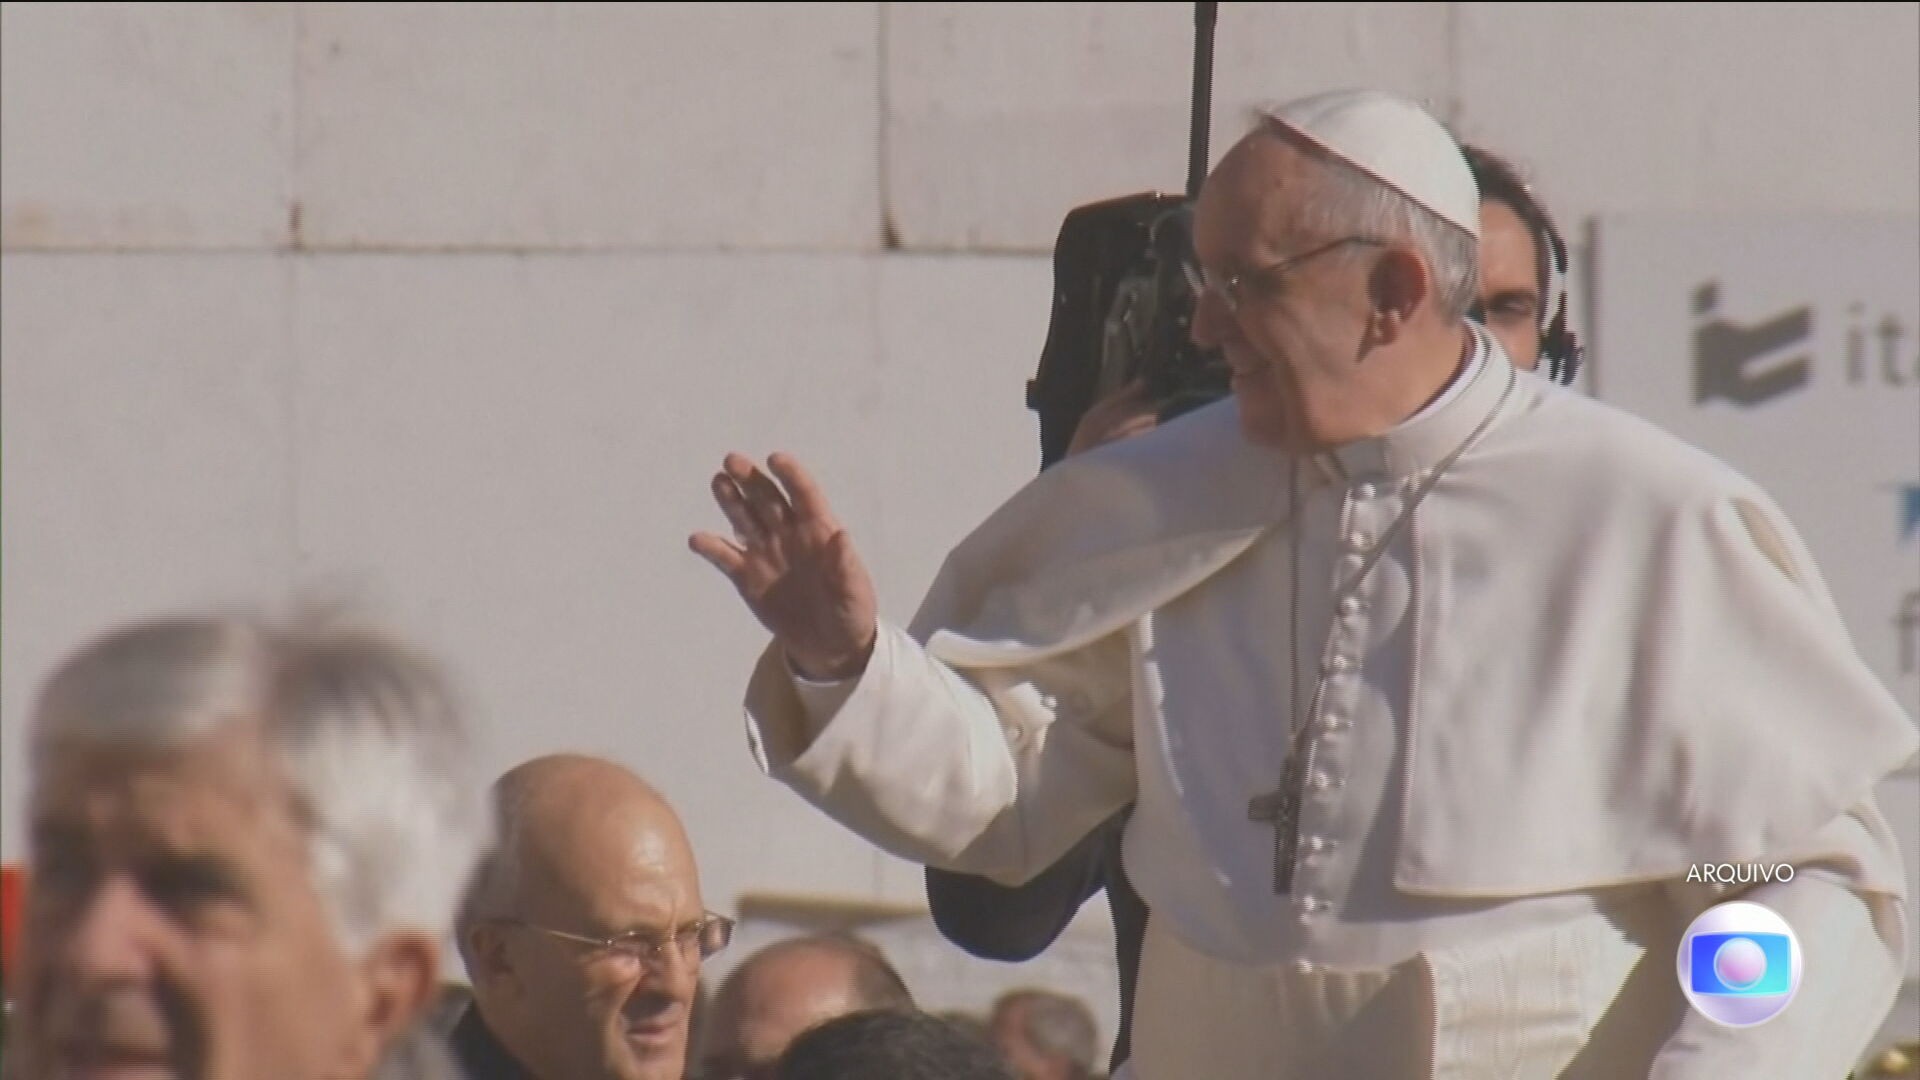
1333	722
1319	845
1358	541
1349	605
1323	782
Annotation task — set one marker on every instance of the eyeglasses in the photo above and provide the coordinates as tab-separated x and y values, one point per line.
1230	289
695	941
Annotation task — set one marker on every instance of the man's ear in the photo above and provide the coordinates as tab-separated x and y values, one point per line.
399	978
485	950
402	975
1399	284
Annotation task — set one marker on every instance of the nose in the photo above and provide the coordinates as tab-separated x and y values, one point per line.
112	934
673	973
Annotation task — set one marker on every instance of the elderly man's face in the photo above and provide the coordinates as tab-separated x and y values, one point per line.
1285	333
173	929
1510	283
583	1012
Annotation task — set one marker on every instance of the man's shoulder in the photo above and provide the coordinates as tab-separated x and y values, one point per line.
422	1054
1106	531
1194	474
1198	470
476	1053
1605	449
1595	469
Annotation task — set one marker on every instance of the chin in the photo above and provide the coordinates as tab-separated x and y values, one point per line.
656	1058
1262	426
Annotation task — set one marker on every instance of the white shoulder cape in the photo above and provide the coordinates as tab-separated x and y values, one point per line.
1626	661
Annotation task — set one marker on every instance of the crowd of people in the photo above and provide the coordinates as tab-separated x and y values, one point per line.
1500	732
247	838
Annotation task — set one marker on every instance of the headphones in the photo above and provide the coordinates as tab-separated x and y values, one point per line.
1560	350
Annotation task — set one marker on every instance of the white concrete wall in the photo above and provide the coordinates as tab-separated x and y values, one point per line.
458	306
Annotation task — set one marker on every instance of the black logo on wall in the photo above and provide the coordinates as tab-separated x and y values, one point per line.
1741	364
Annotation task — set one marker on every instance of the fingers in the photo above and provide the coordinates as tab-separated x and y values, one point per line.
809	502
769	522
1099	429
721	552
764	499
746	529
1133	399
795	498
1137	398
1123	398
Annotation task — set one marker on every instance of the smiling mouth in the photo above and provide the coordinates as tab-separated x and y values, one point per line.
652	1038
656	1031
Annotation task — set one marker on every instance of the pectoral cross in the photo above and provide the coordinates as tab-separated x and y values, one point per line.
1281	808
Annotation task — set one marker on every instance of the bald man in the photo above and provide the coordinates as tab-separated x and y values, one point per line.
788	988
585	930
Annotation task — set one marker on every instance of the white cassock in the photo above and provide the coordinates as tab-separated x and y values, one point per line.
1590	658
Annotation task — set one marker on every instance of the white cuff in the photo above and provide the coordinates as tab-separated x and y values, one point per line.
822	700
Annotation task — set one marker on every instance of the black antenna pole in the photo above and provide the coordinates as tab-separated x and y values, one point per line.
1203	17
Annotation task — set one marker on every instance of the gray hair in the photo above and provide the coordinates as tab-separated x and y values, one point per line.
373	746
1355	203
1055	1024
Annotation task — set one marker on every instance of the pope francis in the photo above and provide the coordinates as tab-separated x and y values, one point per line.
1431	681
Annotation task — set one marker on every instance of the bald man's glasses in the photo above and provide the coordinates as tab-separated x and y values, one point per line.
693	942
1232	291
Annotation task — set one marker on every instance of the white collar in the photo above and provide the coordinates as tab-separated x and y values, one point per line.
1423	439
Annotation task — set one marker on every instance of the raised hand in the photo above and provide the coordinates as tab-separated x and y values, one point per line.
1125	412
794	566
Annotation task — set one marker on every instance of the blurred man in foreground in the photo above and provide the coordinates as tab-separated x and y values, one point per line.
246	842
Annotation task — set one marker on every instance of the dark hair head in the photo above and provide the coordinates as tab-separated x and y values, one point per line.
892	1044
1499	181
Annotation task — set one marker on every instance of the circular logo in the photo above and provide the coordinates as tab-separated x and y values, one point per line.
1739	964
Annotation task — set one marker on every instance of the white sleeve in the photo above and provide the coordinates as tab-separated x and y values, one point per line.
821	699
993	772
